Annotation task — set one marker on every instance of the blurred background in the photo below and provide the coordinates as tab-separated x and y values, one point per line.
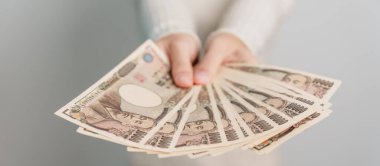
51	50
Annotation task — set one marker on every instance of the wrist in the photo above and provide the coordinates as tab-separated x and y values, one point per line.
189	38
233	35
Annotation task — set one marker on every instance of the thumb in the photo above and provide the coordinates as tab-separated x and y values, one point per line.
181	57
208	66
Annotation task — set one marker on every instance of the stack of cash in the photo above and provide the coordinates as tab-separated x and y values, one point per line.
247	106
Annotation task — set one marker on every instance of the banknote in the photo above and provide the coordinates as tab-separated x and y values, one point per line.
247	106
272	143
204	127
221	150
297	110
319	86
258	124
292	108
89	133
229	119
116	105
277	139
251	123
209	109
235	122
165	138
247	111
319	114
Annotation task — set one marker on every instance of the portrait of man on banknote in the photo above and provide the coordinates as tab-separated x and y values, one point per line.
275	102
201	125
318	87
298	80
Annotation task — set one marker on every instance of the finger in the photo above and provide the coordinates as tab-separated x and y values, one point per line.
246	56
163	46
243	56
181	61
208	66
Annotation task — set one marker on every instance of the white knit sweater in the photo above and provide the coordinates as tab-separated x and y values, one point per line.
253	21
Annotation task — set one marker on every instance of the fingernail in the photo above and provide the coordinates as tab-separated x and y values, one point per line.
202	77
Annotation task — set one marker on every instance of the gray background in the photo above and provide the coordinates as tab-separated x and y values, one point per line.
51	50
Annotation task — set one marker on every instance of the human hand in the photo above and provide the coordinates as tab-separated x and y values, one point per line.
182	50
222	48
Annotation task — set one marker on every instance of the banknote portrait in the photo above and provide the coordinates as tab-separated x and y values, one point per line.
170	126
271	115
297	80
196	130
225	121
254	122
201	127
202	124
230	131
275	102
316	86
291	109
164	136
227	126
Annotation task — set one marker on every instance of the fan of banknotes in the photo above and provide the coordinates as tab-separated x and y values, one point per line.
247	106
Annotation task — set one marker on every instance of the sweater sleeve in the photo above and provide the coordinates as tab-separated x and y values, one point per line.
253	21
165	17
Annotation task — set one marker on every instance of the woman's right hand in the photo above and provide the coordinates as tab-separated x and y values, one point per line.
182	50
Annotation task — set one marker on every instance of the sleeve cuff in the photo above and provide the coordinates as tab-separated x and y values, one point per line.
245	39
167	29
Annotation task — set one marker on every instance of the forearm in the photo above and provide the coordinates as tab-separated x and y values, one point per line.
253	21
164	17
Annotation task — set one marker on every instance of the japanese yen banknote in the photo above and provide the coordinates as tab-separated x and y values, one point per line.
247	106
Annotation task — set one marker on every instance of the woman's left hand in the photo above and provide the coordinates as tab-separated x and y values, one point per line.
222	48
